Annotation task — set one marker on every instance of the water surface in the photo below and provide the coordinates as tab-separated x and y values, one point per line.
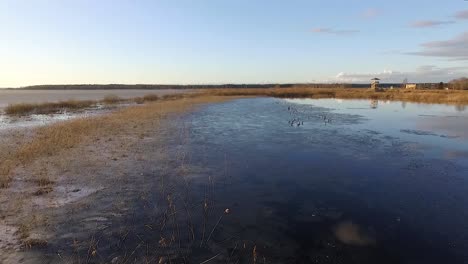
337	181
12	96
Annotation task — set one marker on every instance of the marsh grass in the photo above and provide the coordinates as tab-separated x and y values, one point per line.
51	140
150	97
47	108
418	96
112	99
455	97
57	107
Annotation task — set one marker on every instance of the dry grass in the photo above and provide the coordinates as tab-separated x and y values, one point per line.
420	96
51	140
56	107
111	99
150	97
146	98
47	108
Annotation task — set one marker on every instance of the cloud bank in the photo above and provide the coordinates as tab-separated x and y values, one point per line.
429	23
425	73
462	14
453	49
334	31
371	13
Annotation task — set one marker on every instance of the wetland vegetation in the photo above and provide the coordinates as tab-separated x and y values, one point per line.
159	179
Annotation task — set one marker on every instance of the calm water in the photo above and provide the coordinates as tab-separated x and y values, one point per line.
356	182
38	96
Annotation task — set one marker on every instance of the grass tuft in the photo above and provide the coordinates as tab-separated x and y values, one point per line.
150	97
112	99
47	108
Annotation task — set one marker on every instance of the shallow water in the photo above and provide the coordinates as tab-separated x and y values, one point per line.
355	182
20	122
39	96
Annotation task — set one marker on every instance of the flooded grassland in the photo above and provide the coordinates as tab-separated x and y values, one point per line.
252	180
14	96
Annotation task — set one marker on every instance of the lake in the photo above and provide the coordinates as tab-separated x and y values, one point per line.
38	96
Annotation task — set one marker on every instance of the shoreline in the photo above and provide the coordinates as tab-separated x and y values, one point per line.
448	97
48	174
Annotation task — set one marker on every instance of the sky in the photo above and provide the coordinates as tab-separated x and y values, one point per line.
242	41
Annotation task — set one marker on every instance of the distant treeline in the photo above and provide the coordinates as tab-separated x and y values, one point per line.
209	86
458	84
140	86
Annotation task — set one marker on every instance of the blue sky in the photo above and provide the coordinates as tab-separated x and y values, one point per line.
217	41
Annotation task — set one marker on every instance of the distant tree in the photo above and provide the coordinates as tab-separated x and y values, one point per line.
441	85
459	84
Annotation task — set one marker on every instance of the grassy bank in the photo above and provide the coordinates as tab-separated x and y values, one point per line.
56	107
53	139
47	108
454	97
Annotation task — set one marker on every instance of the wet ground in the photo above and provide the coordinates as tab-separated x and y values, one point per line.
274	181
8	122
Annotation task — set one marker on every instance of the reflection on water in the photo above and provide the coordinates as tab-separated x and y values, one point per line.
378	184
351	234
460	108
408	121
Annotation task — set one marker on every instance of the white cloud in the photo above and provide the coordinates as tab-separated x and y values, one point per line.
333	31
425	73
453	49
429	23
